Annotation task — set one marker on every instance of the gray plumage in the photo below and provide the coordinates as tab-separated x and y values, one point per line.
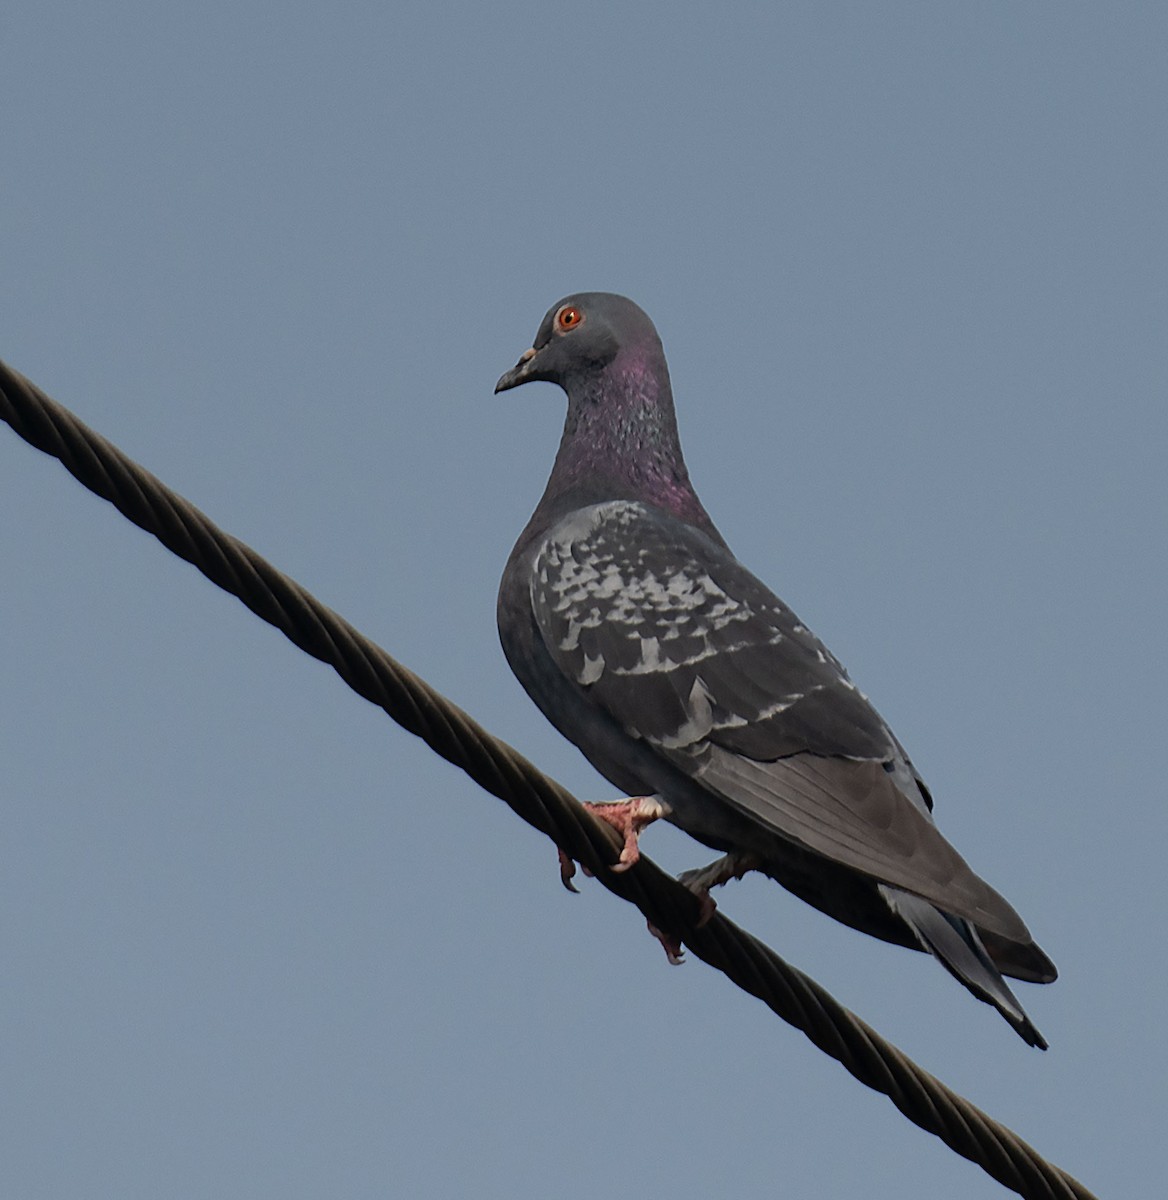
630	623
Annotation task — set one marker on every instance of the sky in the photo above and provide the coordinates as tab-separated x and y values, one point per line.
908	264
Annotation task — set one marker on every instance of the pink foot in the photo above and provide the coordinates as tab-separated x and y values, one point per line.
628	818
670	942
720	871
730	866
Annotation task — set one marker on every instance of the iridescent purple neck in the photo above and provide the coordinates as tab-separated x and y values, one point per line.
620	439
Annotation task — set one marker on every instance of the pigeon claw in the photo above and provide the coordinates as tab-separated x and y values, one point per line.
699	881
670	944
567	870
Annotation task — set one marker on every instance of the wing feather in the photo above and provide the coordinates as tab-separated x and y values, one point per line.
661	629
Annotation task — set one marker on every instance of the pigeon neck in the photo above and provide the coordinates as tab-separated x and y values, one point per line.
620	440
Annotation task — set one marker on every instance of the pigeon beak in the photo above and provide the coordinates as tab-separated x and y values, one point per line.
519	373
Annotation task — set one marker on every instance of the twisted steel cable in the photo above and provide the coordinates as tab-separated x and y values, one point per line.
539	800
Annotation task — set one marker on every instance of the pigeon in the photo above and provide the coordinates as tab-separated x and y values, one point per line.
701	696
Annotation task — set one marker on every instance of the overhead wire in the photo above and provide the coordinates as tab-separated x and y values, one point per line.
541	801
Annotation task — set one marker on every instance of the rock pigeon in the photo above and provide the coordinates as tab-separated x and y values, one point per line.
700	695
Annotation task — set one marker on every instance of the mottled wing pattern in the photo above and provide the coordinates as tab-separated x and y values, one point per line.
682	645
674	639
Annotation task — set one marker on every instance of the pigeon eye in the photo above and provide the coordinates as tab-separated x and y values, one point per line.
569	317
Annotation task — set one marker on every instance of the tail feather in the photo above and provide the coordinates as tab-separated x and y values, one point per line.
955	943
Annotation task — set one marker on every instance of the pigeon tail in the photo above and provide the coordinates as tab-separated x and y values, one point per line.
955	943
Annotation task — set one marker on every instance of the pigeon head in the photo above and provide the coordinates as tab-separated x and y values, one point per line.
581	338
620	435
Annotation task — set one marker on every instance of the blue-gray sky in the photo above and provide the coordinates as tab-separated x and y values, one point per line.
908	262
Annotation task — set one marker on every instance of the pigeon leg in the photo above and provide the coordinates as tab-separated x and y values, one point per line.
720	871
699	881
628	818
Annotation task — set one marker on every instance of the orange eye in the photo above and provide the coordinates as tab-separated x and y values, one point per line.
568	318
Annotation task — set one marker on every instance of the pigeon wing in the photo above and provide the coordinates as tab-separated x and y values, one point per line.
664	631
